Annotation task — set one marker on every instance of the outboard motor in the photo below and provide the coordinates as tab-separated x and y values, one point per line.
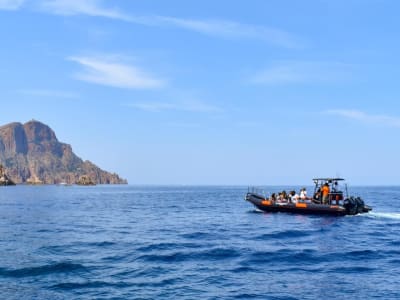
360	205
354	206
351	206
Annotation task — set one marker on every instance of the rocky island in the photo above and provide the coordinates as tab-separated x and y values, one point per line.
31	153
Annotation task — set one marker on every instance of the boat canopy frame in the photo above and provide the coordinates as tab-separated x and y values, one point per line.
333	183
328	179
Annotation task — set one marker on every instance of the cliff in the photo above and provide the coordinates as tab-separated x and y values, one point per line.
31	153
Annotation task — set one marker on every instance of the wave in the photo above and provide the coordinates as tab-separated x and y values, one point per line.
143	272
74	248
290	257
243	269
219	253
351	270
394	243
63	267
247	296
385	215
281	296
121	284
283	234
283	255
197	235
100	244
256	211
361	254
167	246
167	258
88	285
208	255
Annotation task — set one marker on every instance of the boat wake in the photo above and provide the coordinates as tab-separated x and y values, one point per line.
256	211
384	215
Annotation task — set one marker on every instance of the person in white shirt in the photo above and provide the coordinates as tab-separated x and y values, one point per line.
294	198
303	194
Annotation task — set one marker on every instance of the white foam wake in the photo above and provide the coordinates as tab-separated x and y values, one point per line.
386	215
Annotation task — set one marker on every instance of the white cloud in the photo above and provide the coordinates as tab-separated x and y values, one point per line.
219	28
105	72
294	72
188	106
366	118
11	4
84	7
230	29
49	93
216	27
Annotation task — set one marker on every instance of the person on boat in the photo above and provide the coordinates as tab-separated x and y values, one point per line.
317	196
282	198
303	194
335	187
273	197
294	198
325	193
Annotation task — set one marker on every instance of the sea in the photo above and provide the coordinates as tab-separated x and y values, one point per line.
191	242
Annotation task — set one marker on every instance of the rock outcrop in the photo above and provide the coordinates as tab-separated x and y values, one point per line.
31	153
85	180
4	180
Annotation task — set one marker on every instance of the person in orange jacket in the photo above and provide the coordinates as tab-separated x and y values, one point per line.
325	193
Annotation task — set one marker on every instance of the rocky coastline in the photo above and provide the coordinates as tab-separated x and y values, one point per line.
31	154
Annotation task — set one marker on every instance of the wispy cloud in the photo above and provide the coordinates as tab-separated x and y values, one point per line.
187	106
361	116
11	4
82	7
304	72
49	93
216	27
232	30
114	73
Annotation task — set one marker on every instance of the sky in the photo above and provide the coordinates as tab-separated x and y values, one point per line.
211	92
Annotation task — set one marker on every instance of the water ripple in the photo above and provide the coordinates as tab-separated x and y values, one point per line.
171	242
63	267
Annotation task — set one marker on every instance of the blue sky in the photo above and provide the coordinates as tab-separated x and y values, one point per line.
210	92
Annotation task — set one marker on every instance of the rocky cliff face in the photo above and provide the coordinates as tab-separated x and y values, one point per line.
31	153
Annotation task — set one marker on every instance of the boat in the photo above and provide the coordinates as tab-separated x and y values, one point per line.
336	202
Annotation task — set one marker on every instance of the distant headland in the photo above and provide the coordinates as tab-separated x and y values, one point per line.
31	153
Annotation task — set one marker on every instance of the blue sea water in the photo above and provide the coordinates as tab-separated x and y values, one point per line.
146	242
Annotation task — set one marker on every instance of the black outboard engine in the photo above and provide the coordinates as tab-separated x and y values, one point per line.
360	205
354	206
350	205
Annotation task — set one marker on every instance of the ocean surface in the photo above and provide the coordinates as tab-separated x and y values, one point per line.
169	242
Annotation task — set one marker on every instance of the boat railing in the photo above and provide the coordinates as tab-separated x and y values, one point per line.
257	190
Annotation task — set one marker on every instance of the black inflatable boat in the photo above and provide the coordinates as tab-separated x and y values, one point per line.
327	199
